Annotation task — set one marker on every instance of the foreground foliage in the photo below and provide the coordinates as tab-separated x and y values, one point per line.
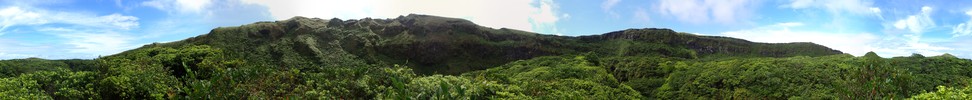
201	72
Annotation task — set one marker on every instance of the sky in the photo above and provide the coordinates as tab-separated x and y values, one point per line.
86	29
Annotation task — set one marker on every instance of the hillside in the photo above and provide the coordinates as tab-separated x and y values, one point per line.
430	57
442	45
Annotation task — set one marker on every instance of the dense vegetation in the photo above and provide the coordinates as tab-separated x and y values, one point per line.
428	57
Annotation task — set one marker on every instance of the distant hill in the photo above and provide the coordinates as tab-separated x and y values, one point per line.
435	44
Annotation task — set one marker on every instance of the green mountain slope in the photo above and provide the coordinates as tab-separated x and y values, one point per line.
434	44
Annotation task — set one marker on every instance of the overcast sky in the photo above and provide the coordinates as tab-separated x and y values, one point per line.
64	29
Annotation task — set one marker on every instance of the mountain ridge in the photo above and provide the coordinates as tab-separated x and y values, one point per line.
431	43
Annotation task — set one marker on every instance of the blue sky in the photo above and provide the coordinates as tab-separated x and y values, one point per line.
66	29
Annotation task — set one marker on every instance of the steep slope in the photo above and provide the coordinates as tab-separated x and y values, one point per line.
451	46
706	46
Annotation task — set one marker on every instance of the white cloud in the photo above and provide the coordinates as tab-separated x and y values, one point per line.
118	3
192	6
89	34
640	15
98	44
838	9
530	15
13	16
843	14
789	24
800	3
33	2
4	55
851	43
877	12
607	5
917	23
963	29
913	27
835	6
57	34
117	20
962	45
703	11
925	48
875	9
12	49
688	10
92	41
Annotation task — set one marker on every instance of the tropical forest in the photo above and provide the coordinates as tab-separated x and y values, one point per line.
423	57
